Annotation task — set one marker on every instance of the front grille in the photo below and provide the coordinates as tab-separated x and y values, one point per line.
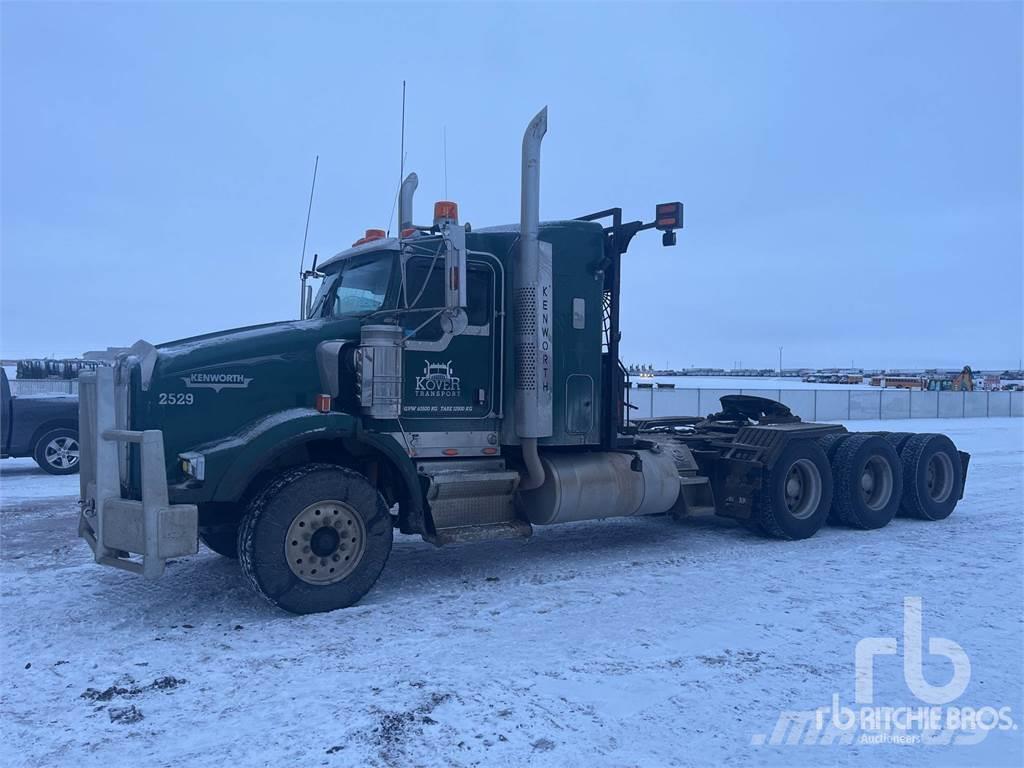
122	388
86	432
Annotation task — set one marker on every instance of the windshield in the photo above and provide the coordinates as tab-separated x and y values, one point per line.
359	289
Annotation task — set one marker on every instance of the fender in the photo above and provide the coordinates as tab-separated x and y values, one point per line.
233	462
246	453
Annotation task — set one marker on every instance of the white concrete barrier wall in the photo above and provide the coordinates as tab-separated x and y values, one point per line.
865	404
999	403
834	404
975	405
924	405
951	405
895	404
800	402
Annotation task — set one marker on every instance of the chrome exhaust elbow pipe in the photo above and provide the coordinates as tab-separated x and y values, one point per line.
532	397
529	212
408	189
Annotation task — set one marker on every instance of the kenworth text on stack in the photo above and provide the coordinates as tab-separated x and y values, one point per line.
460	384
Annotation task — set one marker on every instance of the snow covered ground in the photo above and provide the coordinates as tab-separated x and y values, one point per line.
624	642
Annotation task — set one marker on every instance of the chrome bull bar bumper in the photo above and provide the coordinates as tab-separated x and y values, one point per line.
115	527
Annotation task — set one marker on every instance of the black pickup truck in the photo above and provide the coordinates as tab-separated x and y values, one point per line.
44	427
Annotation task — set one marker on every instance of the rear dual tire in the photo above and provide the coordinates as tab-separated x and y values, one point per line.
877	477
859	480
934	477
797	492
868	482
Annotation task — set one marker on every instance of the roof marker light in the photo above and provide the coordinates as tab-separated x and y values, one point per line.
445	211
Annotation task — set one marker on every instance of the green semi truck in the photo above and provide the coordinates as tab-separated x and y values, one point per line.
456	383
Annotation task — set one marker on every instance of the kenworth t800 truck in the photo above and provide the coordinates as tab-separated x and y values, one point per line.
456	383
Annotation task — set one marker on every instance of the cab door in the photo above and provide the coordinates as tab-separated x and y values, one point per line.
450	380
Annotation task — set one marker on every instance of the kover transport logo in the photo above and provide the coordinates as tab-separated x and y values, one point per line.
438	380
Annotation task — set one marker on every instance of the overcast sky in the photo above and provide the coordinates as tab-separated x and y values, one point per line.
852	173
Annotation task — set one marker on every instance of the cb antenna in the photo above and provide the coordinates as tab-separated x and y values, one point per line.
309	210
401	166
401	161
444	152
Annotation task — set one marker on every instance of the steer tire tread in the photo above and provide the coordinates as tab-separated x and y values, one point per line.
258	506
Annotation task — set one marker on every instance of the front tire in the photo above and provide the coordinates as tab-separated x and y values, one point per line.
315	539
57	451
797	492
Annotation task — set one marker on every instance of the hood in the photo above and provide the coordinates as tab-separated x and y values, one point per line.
290	339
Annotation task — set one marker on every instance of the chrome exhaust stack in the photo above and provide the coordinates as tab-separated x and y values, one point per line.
533	313
408	189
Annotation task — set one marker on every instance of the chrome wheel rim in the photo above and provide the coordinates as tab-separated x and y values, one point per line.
802	489
939	477
876	483
325	542
61	452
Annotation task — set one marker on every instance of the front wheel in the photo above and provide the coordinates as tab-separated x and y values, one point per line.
56	452
797	492
315	539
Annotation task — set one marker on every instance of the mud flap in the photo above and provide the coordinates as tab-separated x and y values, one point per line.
965	460
736	484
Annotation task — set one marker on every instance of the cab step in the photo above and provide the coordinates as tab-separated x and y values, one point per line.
468	533
472	498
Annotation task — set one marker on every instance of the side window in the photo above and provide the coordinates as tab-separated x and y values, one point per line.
425	287
479	295
428	285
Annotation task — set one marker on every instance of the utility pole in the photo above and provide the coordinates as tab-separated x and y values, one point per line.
780	361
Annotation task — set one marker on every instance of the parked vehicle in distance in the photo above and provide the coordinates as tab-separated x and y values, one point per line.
899	382
44	427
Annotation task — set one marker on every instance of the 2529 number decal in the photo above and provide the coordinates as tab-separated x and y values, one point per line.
177	398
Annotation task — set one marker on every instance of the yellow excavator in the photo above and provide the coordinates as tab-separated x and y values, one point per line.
963	382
